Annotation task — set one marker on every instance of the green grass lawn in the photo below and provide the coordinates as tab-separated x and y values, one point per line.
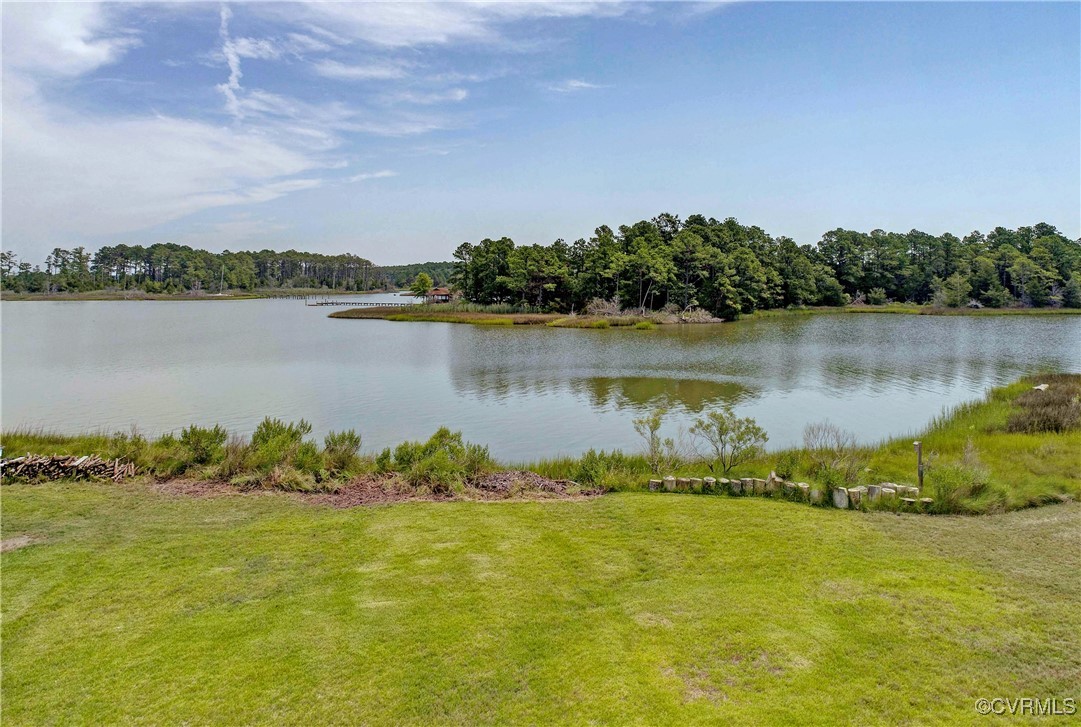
132	606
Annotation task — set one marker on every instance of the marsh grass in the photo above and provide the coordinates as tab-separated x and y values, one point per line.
975	464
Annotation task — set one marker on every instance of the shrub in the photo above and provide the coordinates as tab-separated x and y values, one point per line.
648	427
167	457
963	488
601	468
833	452
788	463
341	451
234	457
131	447
731	440
442	464
205	445
601	307
276	443
644	326
384	461
877	296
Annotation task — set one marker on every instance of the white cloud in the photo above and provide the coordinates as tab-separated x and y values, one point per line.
88	177
573	84
78	175
453	95
61	39
365	176
404	24
369	72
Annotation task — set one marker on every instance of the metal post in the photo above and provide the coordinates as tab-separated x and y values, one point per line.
919	462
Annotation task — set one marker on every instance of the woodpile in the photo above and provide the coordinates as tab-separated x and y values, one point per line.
37	467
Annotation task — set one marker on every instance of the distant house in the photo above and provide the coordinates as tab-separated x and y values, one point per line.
437	295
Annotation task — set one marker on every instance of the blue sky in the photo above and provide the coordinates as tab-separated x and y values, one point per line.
398	131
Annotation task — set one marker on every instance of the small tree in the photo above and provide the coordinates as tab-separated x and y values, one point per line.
421	285
732	440
648	427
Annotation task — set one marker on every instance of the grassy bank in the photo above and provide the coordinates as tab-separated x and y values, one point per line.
140	295
124	605
505	315
1016	448
912	309
509	315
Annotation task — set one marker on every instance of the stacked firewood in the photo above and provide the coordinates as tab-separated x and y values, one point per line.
37	466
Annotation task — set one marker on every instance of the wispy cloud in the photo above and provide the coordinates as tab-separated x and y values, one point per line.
453	95
365	176
362	72
572	85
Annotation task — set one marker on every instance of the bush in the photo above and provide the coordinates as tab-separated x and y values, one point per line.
602	469
234	457
963	488
279	444
644	326
877	296
341	451
205	445
442	464
648	427
167	457
833	453
731	440
788	463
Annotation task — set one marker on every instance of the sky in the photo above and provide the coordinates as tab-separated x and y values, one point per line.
398	131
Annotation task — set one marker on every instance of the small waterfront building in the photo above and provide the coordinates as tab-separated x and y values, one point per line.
437	295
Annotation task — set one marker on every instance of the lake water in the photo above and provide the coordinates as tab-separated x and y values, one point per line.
527	392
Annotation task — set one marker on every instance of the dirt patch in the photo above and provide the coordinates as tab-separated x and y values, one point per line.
387	489
15	542
364	491
511	483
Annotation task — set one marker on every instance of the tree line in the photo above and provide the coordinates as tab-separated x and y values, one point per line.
172	268
731	269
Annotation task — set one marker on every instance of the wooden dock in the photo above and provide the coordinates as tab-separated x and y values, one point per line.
364	303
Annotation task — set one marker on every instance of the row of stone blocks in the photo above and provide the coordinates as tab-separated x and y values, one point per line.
902	496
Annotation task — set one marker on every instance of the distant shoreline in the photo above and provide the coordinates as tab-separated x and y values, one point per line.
436	314
109	295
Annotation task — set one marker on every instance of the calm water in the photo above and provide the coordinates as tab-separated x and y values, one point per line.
526	392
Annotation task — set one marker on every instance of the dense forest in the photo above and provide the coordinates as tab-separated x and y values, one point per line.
728	268
402	276
170	268
721	266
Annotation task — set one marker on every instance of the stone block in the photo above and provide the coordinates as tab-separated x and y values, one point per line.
709	484
696	484
683	484
874	492
759	486
804	491
816	496
654	485
908	503
670	484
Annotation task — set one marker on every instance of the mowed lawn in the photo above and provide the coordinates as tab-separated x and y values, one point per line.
131	606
